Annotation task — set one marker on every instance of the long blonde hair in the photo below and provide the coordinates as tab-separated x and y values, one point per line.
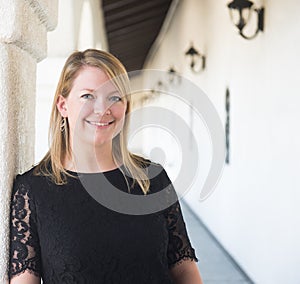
52	164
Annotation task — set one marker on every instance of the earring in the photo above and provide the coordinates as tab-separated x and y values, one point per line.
63	124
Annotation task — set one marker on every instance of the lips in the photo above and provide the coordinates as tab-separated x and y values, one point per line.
102	123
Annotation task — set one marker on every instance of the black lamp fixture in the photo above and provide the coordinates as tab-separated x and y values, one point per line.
245	8
173	75
195	57
159	88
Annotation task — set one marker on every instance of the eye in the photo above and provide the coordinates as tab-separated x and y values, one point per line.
87	96
115	98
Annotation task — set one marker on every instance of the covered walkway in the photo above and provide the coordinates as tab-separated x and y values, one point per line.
215	264
253	85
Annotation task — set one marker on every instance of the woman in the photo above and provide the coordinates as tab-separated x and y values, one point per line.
59	232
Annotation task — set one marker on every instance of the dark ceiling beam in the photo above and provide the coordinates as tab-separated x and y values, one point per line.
148	24
136	37
129	60
136	20
145	26
134	65
134	50
141	9
136	60
132	27
109	5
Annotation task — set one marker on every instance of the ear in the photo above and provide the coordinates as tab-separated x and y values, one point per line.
62	106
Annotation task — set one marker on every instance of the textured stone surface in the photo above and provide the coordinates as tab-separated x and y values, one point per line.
17	108
46	11
23	42
25	24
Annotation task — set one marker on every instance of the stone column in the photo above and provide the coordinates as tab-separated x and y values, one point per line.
23	43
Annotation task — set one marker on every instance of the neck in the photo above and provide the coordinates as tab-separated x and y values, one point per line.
91	160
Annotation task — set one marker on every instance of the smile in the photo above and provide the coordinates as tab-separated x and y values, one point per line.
99	123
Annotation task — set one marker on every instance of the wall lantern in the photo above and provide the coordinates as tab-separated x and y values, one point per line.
197	60
244	9
159	88
173	75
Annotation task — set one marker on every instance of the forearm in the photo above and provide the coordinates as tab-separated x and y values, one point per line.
186	273
25	278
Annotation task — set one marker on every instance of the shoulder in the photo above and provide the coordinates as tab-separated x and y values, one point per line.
22	178
28	181
28	175
157	175
154	170
161	184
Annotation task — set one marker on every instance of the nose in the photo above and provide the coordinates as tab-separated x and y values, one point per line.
101	107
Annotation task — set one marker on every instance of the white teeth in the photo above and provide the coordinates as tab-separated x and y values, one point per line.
99	123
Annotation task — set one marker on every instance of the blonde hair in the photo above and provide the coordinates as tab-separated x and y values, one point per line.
52	164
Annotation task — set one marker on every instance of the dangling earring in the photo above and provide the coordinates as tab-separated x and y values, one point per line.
63	124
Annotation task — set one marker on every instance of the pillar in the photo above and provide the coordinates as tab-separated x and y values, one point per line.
23	43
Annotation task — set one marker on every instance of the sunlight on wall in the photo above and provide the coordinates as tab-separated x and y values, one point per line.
86	30
254	212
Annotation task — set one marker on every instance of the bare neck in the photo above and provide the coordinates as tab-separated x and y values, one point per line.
91	159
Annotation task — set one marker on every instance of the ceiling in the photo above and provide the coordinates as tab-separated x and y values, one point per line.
132	27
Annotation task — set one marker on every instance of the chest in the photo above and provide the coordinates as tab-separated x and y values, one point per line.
74	224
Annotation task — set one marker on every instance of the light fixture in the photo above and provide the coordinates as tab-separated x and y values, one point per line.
195	57
245	8
159	88
173	75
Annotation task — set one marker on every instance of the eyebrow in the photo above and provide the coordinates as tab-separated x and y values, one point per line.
92	91
89	90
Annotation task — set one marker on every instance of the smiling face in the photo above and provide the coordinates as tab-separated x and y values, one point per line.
95	109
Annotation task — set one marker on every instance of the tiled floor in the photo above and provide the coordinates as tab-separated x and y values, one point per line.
215	265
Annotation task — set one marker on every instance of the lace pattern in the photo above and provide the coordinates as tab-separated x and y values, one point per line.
85	242
179	248
24	247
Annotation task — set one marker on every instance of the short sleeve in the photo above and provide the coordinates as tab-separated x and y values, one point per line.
179	246
24	243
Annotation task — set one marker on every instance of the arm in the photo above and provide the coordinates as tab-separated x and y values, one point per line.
186	273
24	261
25	278
181	255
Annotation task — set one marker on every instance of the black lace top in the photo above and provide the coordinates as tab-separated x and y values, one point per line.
63	235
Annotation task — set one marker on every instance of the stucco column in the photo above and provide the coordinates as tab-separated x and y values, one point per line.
23	43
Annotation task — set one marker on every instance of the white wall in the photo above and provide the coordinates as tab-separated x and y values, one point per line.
254	210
